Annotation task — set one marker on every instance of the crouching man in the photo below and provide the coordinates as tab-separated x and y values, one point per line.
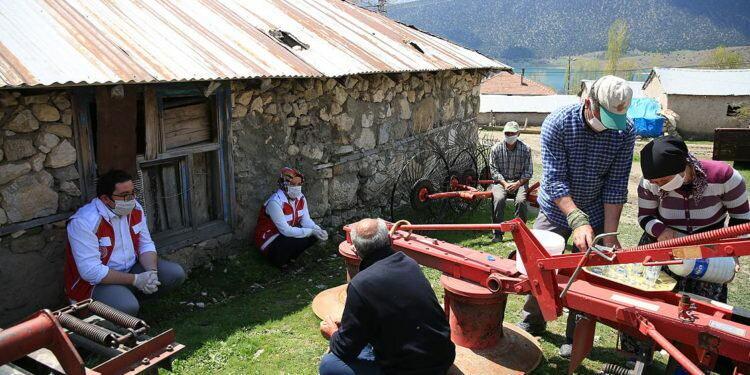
110	255
392	322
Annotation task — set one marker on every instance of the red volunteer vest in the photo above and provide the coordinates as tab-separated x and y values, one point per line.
78	289
266	231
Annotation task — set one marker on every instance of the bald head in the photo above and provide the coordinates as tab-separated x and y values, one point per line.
369	235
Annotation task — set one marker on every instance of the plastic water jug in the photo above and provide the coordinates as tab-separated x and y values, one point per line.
551	241
712	270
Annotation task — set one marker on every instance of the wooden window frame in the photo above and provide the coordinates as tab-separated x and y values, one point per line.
157	153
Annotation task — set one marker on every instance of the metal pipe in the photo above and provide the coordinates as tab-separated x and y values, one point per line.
675	353
445	227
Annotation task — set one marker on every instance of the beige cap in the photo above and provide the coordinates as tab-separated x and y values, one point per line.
613	95
511	127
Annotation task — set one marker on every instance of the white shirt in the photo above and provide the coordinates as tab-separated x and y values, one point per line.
85	245
275	210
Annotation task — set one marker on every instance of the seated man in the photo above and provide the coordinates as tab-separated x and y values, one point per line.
285	229
392	322
510	163
110	255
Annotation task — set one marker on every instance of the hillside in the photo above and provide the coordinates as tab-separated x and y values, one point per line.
528	29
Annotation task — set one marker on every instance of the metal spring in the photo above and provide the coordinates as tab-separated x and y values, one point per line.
116	316
88	330
613	369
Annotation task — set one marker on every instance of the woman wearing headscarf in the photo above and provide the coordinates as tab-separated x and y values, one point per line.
681	195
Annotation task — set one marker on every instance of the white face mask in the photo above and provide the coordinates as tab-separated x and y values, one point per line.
597	125
674	184
123	208
294	192
511	140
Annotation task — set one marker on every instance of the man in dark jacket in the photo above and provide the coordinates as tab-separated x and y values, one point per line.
392	321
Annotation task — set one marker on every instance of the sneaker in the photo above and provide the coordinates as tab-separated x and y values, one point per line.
566	350
533	330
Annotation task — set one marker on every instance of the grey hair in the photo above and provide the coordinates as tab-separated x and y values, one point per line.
366	246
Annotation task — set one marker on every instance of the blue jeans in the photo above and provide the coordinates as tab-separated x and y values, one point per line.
364	364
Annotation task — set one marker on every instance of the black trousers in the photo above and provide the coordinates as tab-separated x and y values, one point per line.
283	249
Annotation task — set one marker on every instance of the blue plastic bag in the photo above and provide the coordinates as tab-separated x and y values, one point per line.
644	112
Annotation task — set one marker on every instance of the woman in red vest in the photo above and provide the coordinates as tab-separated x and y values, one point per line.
284	228
110	255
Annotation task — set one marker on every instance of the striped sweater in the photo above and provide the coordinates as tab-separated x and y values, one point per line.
716	191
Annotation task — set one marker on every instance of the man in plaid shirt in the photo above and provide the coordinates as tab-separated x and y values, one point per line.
510	163
587	152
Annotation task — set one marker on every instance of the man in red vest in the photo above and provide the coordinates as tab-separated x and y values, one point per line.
284	228
110	255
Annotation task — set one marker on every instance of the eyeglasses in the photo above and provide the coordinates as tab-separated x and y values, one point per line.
128	196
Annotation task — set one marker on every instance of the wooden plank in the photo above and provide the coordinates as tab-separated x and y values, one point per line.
201	192
172	196
151	122
116	135
12	228
187	125
86	162
149	204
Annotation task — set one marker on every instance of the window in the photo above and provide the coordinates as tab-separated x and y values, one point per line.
184	168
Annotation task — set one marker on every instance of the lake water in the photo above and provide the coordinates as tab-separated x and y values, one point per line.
554	77
551	76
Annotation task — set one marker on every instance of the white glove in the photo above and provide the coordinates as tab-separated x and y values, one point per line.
153	283
146	282
320	234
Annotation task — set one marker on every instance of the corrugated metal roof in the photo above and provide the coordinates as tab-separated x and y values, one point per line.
728	82
506	83
635	85
49	42
524	104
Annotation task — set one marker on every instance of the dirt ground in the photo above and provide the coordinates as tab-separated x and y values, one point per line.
702	150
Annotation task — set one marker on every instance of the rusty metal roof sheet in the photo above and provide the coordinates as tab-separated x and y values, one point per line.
77	42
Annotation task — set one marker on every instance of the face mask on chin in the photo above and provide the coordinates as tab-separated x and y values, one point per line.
511	140
294	192
123	208
674	184
596	125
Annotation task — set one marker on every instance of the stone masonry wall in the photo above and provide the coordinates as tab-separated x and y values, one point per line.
38	178
350	136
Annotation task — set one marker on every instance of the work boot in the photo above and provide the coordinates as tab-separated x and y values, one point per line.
532	330
566	350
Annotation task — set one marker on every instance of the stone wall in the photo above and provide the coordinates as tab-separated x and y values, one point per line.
38	179
350	136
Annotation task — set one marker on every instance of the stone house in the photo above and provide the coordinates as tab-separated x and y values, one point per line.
704	99
204	103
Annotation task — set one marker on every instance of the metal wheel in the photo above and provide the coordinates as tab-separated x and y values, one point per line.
463	168
422	174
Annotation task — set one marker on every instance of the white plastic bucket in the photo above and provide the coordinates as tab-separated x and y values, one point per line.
712	270
551	241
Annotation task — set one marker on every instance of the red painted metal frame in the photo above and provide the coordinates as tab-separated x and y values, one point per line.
41	330
470	193
657	315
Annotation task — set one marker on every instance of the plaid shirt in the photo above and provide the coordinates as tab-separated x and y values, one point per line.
511	165
592	168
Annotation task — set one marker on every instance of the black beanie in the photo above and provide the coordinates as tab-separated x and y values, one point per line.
664	156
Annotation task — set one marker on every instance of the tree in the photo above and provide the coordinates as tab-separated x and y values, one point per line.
722	58
617	45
